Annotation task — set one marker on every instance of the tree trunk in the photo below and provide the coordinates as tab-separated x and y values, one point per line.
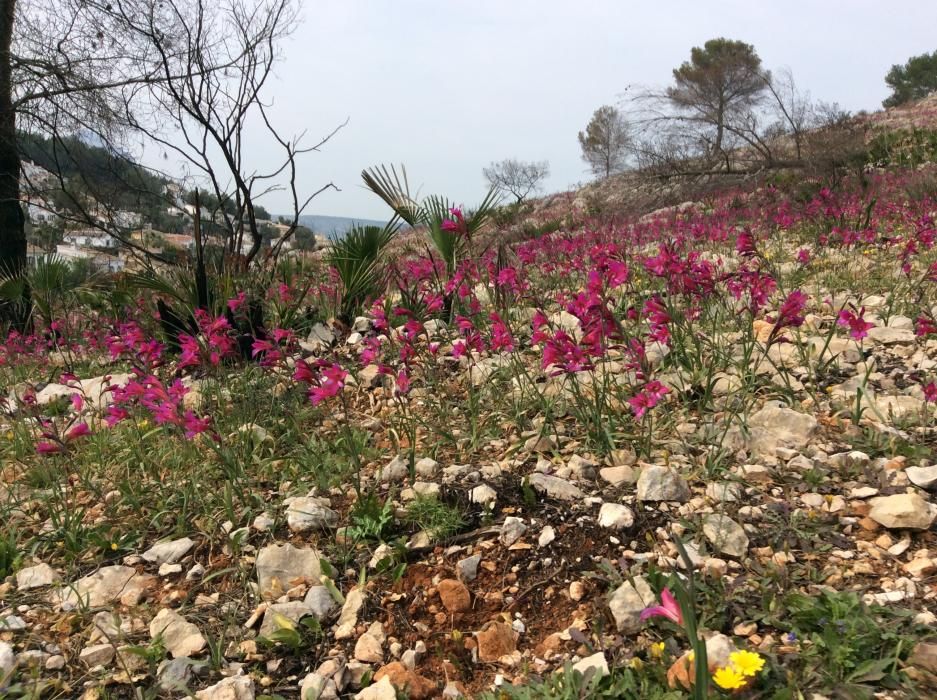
12	220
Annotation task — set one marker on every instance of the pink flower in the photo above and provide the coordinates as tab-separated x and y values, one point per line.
403	382
668	608
650	395
78	431
803	256
331	381
858	326
930	392
194	425
48	448
77	402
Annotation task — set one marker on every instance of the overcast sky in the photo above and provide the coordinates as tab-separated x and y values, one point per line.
446	86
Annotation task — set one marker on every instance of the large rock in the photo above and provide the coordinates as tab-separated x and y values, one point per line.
776	426
382	690
233	688
348	618
304	514
726	535
104	587
415	686
281	566
180	636
628	602
292	610
658	483
36	576
903	511
925	477
616	516
454	595
168	552
554	487
496	639
891	336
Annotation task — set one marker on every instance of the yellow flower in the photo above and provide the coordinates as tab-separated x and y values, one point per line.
9	435
748	663
657	650
114	546
636	663
728	678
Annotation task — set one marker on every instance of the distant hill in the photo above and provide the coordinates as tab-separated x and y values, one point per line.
334	226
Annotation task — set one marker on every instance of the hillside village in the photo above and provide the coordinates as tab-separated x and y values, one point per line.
95	236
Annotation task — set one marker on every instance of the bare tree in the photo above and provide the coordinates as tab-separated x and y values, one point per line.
605	141
519	178
182	77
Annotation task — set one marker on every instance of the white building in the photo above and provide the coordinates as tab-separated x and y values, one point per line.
90	238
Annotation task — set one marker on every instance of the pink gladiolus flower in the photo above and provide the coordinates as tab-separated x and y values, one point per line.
78	431
930	392
403	382
858	326
803	256
78	402
331	381
668	608
193	425
48	448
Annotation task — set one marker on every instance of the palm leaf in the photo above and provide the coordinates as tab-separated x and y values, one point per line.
357	259
395	191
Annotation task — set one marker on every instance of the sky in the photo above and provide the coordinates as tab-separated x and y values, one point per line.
448	86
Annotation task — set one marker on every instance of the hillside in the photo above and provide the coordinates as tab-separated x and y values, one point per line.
616	432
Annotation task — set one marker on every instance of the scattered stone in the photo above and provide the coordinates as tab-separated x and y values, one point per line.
903	511
7	659
320	602
617	476
168	552
924	477
104	587
175	675
169	569
12	623
396	470
382	690
416	686
56	662
547	443
547	535
467	568
924	655
233	688
305	514
281	566
180	636
426	468
293	611
483	494
496	639
36	577
725	534
658	483
776	426
628	602
369	647
615	516
723	491
348	618
454	595
595	665
512	530
97	655
554	487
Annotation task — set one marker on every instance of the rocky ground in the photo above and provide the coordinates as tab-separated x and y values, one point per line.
496	514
